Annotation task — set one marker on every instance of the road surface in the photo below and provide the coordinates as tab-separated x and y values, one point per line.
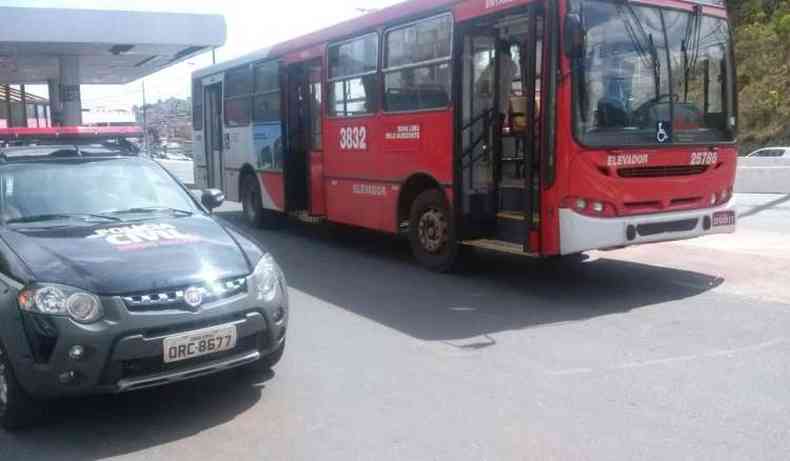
671	351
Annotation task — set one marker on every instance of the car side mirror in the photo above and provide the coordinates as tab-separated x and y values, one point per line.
574	36
212	199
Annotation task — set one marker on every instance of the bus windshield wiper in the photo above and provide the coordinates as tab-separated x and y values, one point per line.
690	46
642	41
153	209
60	217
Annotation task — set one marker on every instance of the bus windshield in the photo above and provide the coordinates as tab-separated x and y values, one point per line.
651	76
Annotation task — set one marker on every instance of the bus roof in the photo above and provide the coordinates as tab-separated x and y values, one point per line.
337	32
370	22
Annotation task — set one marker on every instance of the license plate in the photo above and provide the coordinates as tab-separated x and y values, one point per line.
199	343
724	218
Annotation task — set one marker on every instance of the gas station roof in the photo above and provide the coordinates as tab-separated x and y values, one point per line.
113	47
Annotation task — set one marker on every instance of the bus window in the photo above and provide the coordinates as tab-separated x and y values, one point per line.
417	66
197	106
353	77
267	116
238	90
267	93
316	142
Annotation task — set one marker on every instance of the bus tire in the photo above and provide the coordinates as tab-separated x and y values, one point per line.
17	409
251	202
432	232
254	213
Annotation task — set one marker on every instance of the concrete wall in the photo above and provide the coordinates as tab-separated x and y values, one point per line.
763	176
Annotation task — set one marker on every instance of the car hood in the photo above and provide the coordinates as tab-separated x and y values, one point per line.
125	258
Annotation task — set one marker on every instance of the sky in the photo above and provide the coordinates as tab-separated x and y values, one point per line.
252	25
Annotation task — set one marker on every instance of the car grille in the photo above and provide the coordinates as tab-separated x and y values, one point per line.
175	299
662	171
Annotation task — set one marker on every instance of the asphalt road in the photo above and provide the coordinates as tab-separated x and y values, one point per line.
672	351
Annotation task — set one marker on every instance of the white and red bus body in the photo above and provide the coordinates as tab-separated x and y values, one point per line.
607	178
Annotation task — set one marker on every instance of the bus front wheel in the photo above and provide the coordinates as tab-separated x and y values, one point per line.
432	232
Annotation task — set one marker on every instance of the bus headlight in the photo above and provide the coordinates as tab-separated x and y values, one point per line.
62	301
267	278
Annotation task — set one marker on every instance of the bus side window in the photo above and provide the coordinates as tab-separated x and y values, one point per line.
238	97
353	77
417	65
316	135
197	106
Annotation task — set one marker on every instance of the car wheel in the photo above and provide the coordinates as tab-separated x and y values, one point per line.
432	232
267	362
17	409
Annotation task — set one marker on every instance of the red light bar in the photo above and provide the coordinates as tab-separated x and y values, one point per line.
70	132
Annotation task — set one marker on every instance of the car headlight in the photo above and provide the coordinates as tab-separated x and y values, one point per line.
267	277
63	301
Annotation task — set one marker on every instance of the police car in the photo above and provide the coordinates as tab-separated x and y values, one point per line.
114	278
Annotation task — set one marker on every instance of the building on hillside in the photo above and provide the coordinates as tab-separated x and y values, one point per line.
104	116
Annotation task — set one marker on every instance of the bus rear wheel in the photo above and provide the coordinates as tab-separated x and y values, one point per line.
432	232
252	204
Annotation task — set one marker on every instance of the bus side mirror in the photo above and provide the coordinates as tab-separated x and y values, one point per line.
212	199
574	36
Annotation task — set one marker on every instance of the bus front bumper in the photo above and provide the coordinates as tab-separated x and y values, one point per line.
583	233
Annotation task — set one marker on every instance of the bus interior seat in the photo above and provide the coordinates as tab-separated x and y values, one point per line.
611	113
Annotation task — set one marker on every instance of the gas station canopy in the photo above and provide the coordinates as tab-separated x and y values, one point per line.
102	47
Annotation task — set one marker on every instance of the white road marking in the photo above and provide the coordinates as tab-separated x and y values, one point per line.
729	353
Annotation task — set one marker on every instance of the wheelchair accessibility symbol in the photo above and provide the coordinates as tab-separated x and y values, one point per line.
664	132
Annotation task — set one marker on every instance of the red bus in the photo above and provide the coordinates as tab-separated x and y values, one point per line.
539	127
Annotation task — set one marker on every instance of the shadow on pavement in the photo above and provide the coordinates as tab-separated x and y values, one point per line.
759	209
103	427
374	276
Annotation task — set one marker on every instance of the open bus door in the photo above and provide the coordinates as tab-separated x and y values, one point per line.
315	123
304	160
213	136
500	129
296	139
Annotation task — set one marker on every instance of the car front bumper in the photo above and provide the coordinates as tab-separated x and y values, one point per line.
583	233
125	351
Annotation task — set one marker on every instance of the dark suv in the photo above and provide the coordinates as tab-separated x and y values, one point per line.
114	278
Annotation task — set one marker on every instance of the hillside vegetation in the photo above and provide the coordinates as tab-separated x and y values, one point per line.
762	52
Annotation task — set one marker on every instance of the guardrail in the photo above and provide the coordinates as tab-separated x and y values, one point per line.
763	176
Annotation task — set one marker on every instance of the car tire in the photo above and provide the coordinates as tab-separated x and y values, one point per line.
17	409
432	232
267	362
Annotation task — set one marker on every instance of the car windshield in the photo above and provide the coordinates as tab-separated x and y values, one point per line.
652	76
88	190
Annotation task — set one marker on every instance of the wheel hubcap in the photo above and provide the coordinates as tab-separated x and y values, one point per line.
433	230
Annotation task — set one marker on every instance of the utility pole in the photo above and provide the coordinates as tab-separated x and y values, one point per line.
145	123
213	56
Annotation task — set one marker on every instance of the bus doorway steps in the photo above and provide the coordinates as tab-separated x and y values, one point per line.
510	227
499	246
511	196
305	216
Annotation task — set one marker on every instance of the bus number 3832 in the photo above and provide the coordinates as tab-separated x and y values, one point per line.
354	138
